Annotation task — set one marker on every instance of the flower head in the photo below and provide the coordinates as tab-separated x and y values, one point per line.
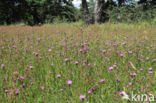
58	76
102	80
42	87
17	92
69	82
82	97
6	91
2	66
150	72
76	62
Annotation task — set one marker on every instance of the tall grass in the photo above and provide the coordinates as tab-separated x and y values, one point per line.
100	60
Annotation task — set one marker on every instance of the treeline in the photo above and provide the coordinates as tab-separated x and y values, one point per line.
36	12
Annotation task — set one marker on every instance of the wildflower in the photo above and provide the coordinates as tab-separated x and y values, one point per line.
61	90
21	77
10	93
130	83
69	82
150	69
150	72
2	66
121	93
42	87
103	51
23	85
92	89
110	68
17	92
102	80
89	92
124	43
31	67
89	65
82	97
118	79
66	59
130	52
58	76
114	65
76	62
49	50
133	74
6	91
121	55
141	69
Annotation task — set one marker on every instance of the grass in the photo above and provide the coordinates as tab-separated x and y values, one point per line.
53	50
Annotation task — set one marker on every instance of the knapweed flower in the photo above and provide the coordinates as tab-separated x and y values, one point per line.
58	76
6	91
42	87
118	79
121	55
89	92
121	93
102	80
61	90
114	65
49	50
21	77
89	65
10	93
82	97
23	85
124	43
76	62
150	69
141	69
110	68
133	74
16	92
104	51
69	82
2	66
92	89
130	83
130	52
150	72
66	59
31	67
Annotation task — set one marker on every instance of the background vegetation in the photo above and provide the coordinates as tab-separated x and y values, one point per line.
37	12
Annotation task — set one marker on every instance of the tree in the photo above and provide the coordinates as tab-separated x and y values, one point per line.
99	4
86	12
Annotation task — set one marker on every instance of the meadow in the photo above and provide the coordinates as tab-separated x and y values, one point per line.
71	63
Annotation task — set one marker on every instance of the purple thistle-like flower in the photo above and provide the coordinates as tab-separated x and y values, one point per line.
49	50
141	69
76	62
89	92
110	68
114	65
124	43
10	93
121	93
130	52
92	89
118	79
58	76
2	66
69	82
21	77
82	97
43	88
130	83
66	59
102	80
121	55
89	65
17	92
61	90
150	69
23	85
150	72
31	67
6	91
104	51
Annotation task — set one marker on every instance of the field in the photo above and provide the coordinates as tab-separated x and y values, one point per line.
69	63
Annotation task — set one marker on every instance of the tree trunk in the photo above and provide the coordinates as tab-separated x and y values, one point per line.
86	12
99	4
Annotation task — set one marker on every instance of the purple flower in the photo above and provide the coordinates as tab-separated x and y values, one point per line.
121	93
110	68
92	89
89	65
6	91
130	83
89	92
150	69
150	72
114	65
82	97
102	80
141	69
42	87
2	66
121	55
76	62
49	50
23	85
103	51
130	52
17	92
58	76
124	43
69	82
118	79
31	67
21	77
66	59
10	93
61	90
